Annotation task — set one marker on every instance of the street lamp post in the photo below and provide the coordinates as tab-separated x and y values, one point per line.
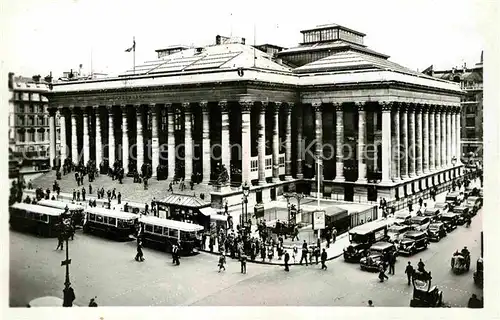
287	197
246	193
68	292
298	196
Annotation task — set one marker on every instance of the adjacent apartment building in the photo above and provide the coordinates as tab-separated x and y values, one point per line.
471	82
29	130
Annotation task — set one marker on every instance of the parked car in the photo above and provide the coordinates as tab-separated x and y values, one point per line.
442	206
413	242
432	213
474	204
437	230
420	223
462	212
402	217
450	221
455	198
376	254
396	232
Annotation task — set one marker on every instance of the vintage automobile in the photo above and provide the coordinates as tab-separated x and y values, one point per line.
450	221
396	232
463	214
362	237
478	274
420	223
437	231
442	206
375	256
424	295
455	198
402	217
432	213
460	263
412	242
474	204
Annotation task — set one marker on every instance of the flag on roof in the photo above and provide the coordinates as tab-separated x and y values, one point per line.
429	70
132	48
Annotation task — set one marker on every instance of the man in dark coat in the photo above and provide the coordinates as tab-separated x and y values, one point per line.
140	255
83	193
324	256
304	253
409	272
392	262
287	258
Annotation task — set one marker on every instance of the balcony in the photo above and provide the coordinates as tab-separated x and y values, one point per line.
476	86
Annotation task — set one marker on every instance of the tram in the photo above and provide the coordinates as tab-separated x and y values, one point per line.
43	221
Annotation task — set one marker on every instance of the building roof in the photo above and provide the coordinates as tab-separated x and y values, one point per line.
178	46
331	26
225	56
337	45
185	201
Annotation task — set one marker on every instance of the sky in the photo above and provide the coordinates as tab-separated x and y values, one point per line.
59	35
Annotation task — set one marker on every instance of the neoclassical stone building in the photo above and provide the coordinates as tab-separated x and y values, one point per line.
268	117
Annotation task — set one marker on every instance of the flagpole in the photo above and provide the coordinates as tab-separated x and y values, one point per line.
254	43
134	55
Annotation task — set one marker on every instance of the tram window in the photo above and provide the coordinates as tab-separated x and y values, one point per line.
173	232
44	218
92	217
112	221
98	218
29	215
148	228
158	230
105	219
36	216
165	231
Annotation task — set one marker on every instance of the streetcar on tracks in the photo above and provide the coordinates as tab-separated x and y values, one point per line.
43	221
164	233
76	211
110	223
362	237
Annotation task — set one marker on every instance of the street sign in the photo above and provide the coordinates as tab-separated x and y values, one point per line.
318	220
65	262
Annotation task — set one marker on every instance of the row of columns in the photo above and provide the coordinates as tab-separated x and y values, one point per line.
245	108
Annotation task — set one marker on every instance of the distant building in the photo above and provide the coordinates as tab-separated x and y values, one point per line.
471	81
29	128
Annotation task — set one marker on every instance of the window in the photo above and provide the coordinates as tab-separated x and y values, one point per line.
32	109
20	109
40	136
148	228
105	220
20	120
470	133
44	218
178	122
158	229
173	232
99	218
31	136
31	120
165	231
470	122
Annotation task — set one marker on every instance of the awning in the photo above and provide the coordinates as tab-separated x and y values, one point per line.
208	211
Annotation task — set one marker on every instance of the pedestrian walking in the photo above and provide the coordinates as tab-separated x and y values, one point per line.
287	258
222	261
410	205
334	235
74	195
304	253
140	255
381	274
90	188
421	266
92	302
409	272
119	198
270	253
392	262
324	256
295	253
60	241
83	194
170	187
317	253
175	254
243	261
370	303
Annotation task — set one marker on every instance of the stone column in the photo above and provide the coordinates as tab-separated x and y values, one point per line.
318	128
155	142
411	141
438	137
98	139
418	140
52	137
205	144
261	148
339	143
404	142
459	135
276	142
125	143
443	137
361	142
246	107
62	126
300	175
425	134
188	143
386	142
453	133
170	141
225	146
74	141
140	139
449	133
432	138
288	141
396	144
86	142
111	144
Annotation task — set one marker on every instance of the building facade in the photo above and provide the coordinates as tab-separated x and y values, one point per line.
471	82
30	125
377	129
